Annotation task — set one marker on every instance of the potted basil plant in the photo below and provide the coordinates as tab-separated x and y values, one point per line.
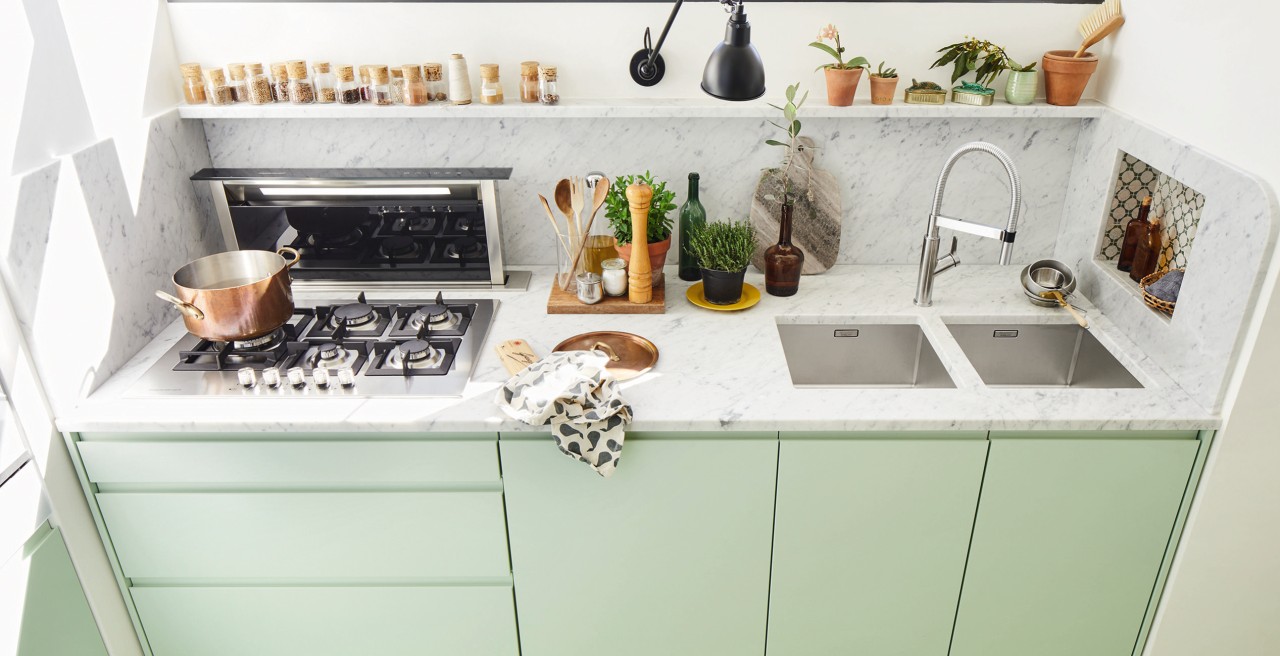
618	211
724	250
842	76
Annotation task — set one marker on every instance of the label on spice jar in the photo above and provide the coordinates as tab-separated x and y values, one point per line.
489	92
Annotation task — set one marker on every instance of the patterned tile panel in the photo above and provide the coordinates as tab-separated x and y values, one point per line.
1177	205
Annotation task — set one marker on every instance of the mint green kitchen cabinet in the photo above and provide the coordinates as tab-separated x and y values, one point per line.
870	543
1068	543
43	611
669	556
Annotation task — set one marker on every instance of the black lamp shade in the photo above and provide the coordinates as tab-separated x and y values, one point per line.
735	71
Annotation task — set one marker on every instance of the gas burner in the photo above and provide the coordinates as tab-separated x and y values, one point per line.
395	248
411	223
414	354
464	224
262	343
353	315
338	240
334	356
464	247
435	317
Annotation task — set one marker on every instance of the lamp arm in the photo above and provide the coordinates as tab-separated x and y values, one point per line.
653	51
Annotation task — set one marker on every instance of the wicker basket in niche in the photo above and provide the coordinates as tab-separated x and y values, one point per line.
1152	300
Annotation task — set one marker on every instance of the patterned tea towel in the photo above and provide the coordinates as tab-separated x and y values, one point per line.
572	391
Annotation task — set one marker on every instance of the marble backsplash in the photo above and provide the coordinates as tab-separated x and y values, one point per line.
886	169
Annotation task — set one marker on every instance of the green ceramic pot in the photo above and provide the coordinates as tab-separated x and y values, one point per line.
1021	87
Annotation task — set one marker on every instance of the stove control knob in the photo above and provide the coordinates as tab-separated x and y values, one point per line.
297	377
248	377
346	377
271	376
321	376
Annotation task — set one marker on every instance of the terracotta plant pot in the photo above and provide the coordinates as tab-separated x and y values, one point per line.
842	83
722	287
882	90
657	255
1065	76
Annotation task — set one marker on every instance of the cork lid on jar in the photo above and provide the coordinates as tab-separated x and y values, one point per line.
396	73
379	74
217	78
456	55
346	74
255	69
431	71
279	70
320	67
298	69
411	72
528	69
191	70
548	72
489	72
237	71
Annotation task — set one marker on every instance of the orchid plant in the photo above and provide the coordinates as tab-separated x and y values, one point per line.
830	33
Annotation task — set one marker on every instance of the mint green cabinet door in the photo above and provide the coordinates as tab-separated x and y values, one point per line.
669	556
43	611
870	544
1067	545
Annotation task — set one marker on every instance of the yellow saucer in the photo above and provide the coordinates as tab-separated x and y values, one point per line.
750	296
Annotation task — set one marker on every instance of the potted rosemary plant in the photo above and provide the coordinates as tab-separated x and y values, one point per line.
984	59
724	250
842	76
884	83
618	212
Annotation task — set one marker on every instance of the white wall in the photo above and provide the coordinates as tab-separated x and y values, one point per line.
593	43
1222	595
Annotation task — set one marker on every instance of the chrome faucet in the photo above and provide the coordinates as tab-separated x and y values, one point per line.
930	264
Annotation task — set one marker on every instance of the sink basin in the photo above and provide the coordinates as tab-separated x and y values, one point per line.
861	355
1040	355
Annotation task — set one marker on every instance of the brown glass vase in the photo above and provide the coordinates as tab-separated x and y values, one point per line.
783	260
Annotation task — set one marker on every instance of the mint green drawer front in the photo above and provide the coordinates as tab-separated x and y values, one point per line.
326	536
345	463
328	621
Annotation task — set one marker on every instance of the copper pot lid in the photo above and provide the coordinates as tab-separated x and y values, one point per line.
629	355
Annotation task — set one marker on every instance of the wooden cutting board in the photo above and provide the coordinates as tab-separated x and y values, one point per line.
562	302
816	221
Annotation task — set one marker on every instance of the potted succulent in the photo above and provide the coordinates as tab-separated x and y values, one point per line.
984	59
724	250
1020	88
842	76
1066	75
884	83
618	212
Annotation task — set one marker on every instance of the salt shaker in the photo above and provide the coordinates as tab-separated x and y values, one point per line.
590	288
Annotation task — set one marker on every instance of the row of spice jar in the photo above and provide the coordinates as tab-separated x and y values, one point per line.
410	84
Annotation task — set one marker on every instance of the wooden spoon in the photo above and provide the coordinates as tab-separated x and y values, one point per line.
554	226
602	192
564	200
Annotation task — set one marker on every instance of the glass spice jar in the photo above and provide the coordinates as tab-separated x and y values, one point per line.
193	84
397	85
259	86
219	92
348	90
548	94
280	81
239	86
301	89
366	83
437	90
490	87
326	83
380	90
529	82
415	90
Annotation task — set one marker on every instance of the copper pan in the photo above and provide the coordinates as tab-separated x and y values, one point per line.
236	295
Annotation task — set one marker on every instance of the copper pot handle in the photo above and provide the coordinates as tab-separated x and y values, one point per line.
607	350
285	250
185	308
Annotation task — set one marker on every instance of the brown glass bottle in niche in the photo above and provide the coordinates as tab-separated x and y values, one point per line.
783	260
1132	235
1147	257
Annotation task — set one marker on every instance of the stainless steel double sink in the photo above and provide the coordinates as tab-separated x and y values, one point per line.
889	355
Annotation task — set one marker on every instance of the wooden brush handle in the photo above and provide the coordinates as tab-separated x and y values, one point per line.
640	272
1100	34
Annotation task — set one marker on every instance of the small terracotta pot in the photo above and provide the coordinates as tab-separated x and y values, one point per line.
883	89
842	83
657	255
1065	76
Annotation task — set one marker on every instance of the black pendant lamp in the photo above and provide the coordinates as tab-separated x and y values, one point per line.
734	71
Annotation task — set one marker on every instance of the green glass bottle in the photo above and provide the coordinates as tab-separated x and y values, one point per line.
692	217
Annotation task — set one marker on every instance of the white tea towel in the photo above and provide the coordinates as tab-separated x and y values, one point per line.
572	391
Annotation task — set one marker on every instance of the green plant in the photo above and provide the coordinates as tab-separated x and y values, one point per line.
792	128
618	210
984	59
831	33
724	246
881	71
1015	66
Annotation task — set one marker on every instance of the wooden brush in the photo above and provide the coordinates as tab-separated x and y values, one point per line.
1096	26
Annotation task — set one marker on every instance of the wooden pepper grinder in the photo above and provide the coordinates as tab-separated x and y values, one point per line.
640	276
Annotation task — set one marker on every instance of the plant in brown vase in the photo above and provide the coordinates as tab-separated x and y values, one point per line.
783	261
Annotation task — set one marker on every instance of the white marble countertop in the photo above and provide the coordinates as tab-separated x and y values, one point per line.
717	371
643	108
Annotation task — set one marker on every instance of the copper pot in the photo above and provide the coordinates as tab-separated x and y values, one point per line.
236	295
